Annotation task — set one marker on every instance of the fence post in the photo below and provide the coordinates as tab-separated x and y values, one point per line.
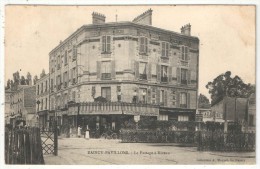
55	138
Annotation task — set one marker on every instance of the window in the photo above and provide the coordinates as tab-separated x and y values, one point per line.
184	53
46	103
106	44
75	53
162	97
184	74
65	58
142	70
143	45
42	104
41	87
163	117
51	84
73	75
38	90
165	49
58	62
58	82
106	92
164	73
251	120
106	70
183	118
46	86
65	79
183	100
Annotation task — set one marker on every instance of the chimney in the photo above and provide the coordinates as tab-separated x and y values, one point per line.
98	18
186	29
145	18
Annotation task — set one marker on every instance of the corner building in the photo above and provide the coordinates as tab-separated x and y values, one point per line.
139	69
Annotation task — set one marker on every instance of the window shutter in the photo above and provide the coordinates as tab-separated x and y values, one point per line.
148	96
103	43
163	49
141	49
165	98
189	76
158	73
167	49
113	69
158	96
170	74
178	75
136	69
146	45
98	69
108	43
188	100
177	99
149	71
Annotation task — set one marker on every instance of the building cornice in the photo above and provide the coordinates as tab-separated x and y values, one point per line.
122	24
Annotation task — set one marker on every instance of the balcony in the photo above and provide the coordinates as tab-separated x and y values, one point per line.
185	82
106	76
183	105
164	79
184	63
97	108
143	57
143	76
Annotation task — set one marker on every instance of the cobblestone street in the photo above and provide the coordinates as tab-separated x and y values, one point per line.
79	151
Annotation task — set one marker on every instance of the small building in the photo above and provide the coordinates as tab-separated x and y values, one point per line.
42	100
8	93
22	106
236	111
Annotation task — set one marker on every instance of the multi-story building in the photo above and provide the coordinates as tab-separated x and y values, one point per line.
22	105
42	100
8	93
141	70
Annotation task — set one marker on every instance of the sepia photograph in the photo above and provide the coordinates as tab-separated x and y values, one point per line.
129	84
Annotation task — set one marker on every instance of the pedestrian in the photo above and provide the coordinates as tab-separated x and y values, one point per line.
79	131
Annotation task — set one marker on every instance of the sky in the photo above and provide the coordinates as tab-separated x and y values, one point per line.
226	33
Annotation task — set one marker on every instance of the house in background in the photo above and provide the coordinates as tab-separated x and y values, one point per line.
237	111
22	106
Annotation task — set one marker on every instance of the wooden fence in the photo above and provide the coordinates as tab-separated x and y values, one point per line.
23	146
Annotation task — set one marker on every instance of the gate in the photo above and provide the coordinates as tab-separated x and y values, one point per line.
49	138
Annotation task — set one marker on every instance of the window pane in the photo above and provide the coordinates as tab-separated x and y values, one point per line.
142	68
163	48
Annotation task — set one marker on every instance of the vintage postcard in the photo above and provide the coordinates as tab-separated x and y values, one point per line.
130	84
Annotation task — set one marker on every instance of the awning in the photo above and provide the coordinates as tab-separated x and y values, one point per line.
42	113
176	110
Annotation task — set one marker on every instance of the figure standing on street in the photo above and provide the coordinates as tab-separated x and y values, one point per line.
79	131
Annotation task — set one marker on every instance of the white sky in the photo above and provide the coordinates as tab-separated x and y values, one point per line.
226	33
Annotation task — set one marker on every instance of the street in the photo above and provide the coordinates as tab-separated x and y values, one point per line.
80	151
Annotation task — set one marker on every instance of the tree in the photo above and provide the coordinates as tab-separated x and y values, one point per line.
28	78
23	81
8	86
203	101
35	79
43	73
225	85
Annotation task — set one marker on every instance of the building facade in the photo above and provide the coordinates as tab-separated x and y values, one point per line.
141	70
42	100
22	106
8	94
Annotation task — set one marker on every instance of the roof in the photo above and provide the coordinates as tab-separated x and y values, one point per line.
123	23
